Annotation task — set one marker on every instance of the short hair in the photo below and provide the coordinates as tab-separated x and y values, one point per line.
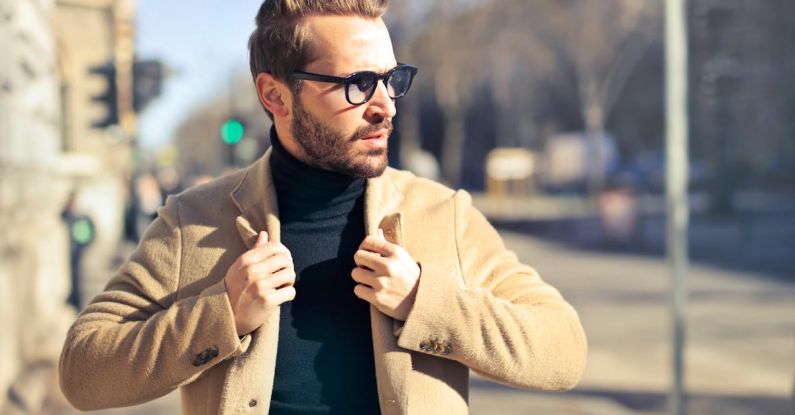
280	44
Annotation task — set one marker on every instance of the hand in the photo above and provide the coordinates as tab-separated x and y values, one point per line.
258	281
387	275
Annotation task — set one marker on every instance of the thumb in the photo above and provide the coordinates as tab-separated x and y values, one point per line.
262	239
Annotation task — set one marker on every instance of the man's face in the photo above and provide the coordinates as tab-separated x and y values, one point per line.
331	133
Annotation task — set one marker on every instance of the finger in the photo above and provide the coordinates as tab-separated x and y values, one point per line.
262	239
281	279
370	260
363	276
365	293
280	296
267	267
259	253
277	280
378	245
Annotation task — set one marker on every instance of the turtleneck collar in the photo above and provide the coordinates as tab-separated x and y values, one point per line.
304	191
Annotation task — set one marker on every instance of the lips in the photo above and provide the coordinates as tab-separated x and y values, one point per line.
383	133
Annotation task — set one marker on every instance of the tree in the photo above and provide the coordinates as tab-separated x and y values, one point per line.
603	42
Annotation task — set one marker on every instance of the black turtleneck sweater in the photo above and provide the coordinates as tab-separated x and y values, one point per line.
324	363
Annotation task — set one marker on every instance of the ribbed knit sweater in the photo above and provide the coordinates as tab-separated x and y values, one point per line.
324	361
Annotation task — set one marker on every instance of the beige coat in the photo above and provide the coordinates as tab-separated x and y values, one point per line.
165	322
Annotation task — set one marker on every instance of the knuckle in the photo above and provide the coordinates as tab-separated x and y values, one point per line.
378	297
281	278
248	278
287	275
277	258
262	286
290	292
265	249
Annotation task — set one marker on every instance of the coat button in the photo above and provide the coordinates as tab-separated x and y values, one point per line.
252	403
208	354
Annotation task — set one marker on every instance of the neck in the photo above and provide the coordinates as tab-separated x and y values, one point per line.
281	132
302	189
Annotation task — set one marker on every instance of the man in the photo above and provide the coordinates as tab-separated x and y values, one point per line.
318	280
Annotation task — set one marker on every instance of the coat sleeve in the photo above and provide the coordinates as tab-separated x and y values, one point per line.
135	342
503	321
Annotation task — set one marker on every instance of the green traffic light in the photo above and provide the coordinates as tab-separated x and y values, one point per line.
232	132
82	231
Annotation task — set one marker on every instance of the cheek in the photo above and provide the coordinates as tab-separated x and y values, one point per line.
347	119
334	111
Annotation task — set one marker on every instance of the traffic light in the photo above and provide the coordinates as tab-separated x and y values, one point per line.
232	132
109	97
147	82
82	230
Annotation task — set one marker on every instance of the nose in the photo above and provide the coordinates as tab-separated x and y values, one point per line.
380	105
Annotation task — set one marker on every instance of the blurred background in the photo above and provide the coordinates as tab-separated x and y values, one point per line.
550	112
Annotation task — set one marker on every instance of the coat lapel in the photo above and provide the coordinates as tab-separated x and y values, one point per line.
255	196
392	363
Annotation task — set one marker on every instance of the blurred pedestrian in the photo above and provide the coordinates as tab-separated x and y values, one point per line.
379	290
81	233
618	212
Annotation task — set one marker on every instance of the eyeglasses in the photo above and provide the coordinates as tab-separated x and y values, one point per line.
360	86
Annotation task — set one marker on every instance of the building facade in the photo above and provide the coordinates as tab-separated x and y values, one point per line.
48	151
34	252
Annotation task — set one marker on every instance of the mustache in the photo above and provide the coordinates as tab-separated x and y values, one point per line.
386	124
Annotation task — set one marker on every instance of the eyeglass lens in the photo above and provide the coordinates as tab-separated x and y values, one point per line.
363	85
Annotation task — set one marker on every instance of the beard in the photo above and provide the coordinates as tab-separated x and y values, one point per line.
329	149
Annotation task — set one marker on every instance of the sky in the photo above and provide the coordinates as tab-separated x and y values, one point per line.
204	42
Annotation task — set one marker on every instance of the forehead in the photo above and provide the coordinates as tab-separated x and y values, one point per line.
344	44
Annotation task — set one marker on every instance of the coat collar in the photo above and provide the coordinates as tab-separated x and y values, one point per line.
255	196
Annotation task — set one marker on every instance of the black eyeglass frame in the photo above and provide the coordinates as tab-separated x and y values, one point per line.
350	80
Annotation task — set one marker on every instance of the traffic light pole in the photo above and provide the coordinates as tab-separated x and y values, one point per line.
676	186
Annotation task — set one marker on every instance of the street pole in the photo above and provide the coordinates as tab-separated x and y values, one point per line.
676	185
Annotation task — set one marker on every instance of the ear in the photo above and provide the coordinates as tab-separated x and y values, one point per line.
273	94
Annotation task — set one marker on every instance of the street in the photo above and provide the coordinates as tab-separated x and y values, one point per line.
739	345
740	338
